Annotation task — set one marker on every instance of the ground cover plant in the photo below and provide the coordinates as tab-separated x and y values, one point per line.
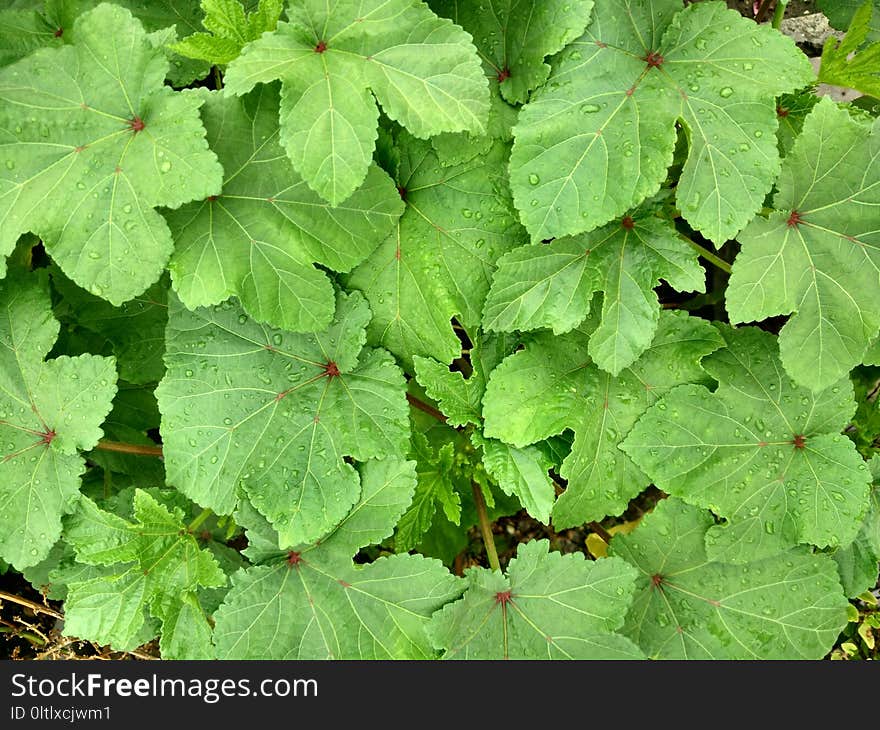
387	329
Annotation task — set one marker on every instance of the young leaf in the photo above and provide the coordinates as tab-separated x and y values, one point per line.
552	286
422	69
608	113
844	64
548	606
761	451
261	236
436	474
109	144
514	38
458	220
313	603
552	385
229	29
522	473
156	567
271	416
49	410
688	606
817	255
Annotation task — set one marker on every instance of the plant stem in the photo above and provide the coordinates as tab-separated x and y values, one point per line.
600	531
218	79
707	254
4	596
485	527
200	518
779	13
425	408
136	449
761	15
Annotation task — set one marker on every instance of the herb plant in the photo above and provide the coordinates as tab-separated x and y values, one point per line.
329	329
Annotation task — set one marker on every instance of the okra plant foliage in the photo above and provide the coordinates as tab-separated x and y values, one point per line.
470	330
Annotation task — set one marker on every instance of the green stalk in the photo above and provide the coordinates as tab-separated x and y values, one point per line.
485	527
200	518
707	254
779	13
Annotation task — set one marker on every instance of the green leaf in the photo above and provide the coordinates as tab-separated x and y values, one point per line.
552	385
840	14
608	112
229	29
759	451
845	63
515	38
260	238
157	567
816	256
422	69
271	416
460	397
548	606
688	606
313	603
552	285
438	264
857	563
49	410
522	473
110	143
436	475
23	31
135	330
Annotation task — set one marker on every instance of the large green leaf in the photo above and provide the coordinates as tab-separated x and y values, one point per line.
91	147
552	385
552	285
760	451
688	606
275	417
155	567
260	238
818	255
548	606
599	137
49	410
439	263
515	36
422	69
311	602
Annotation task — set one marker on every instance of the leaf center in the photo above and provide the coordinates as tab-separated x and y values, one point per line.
654	59
320	47
136	125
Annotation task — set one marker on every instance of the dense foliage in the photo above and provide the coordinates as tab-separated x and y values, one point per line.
298	297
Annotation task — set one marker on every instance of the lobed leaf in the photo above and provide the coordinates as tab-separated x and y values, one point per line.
599	137
816	256
759	451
